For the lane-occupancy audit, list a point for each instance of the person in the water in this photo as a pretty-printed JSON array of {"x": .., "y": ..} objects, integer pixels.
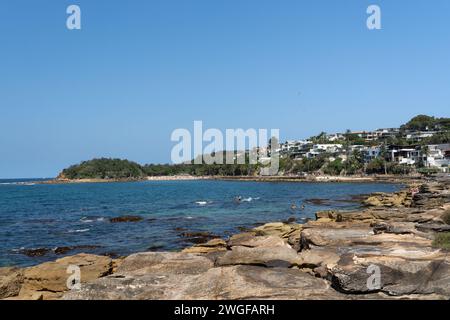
[{"x": 238, "y": 199}]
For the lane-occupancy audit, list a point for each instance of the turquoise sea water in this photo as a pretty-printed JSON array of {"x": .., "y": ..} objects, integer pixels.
[{"x": 49, "y": 216}]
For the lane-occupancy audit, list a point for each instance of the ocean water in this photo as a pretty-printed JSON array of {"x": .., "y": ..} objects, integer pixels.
[{"x": 49, "y": 216}]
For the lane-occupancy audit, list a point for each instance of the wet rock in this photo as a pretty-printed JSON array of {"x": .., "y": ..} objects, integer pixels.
[
  {"x": 156, "y": 247},
  {"x": 318, "y": 202},
  {"x": 198, "y": 237},
  {"x": 64, "y": 250},
  {"x": 11, "y": 280},
  {"x": 112, "y": 255},
  {"x": 48, "y": 280},
  {"x": 126, "y": 219},
  {"x": 290, "y": 220},
  {"x": 243, "y": 229},
  {"x": 39, "y": 252}
]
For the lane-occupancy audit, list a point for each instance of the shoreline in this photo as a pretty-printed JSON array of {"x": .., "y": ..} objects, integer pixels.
[
  {"x": 310, "y": 178},
  {"x": 394, "y": 231}
]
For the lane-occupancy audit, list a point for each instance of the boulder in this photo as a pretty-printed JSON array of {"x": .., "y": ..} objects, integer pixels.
[
  {"x": 11, "y": 280},
  {"x": 49, "y": 280},
  {"x": 278, "y": 229},
  {"x": 397, "y": 199}
]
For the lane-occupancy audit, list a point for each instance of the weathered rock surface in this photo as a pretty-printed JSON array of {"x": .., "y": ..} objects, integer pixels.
[
  {"x": 214, "y": 245},
  {"x": 233, "y": 282},
  {"x": 278, "y": 229},
  {"x": 164, "y": 262},
  {"x": 252, "y": 241},
  {"x": 49, "y": 280},
  {"x": 397, "y": 199},
  {"x": 398, "y": 275},
  {"x": 11, "y": 280},
  {"x": 275, "y": 256}
]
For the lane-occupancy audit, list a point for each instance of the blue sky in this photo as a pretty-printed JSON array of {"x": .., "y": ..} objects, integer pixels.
[{"x": 140, "y": 69}]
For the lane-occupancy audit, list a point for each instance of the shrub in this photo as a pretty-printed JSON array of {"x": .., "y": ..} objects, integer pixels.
[{"x": 442, "y": 240}]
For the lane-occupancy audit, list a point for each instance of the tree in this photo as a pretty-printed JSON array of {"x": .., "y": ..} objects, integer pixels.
[{"x": 420, "y": 122}]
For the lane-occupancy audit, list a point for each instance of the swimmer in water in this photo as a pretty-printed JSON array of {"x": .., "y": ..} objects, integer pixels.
[
  {"x": 293, "y": 206},
  {"x": 302, "y": 207},
  {"x": 238, "y": 199}
]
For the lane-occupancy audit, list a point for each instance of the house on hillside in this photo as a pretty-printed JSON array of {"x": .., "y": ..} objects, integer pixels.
[
  {"x": 438, "y": 157},
  {"x": 409, "y": 155}
]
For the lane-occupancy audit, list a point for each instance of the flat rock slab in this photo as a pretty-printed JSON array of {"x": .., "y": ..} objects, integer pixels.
[
  {"x": 358, "y": 236},
  {"x": 279, "y": 256},
  {"x": 396, "y": 276},
  {"x": 164, "y": 262},
  {"x": 252, "y": 241},
  {"x": 233, "y": 282}
]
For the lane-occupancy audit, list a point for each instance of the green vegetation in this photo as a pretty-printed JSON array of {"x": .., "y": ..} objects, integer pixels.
[
  {"x": 201, "y": 169},
  {"x": 424, "y": 122},
  {"x": 427, "y": 171},
  {"x": 380, "y": 166},
  {"x": 438, "y": 138},
  {"x": 442, "y": 240},
  {"x": 104, "y": 169},
  {"x": 334, "y": 167},
  {"x": 331, "y": 164},
  {"x": 446, "y": 217}
]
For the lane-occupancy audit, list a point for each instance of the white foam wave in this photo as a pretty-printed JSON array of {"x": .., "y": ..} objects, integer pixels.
[{"x": 78, "y": 230}]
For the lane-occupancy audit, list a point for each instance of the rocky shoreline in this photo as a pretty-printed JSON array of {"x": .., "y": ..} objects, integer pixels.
[
  {"x": 279, "y": 178},
  {"x": 332, "y": 257}
]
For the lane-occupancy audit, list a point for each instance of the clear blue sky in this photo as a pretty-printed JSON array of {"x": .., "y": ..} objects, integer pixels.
[{"x": 139, "y": 69}]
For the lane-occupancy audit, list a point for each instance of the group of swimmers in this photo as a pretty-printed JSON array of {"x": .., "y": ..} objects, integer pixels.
[
  {"x": 294, "y": 206},
  {"x": 238, "y": 199}
]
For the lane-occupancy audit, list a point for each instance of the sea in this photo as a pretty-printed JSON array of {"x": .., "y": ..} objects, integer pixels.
[{"x": 43, "y": 222}]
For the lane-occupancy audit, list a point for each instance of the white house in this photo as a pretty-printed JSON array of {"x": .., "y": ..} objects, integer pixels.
[
  {"x": 318, "y": 149},
  {"x": 436, "y": 157}
]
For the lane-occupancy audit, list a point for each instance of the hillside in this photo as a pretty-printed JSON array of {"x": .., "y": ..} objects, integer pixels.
[{"x": 103, "y": 168}]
